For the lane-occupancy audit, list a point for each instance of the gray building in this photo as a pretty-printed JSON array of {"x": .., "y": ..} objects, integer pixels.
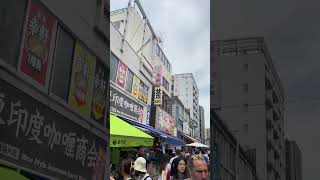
[
  {"x": 202, "y": 124},
  {"x": 293, "y": 161},
  {"x": 54, "y": 71},
  {"x": 248, "y": 95}
]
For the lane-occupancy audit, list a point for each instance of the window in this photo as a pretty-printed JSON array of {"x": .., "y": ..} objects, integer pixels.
[
  {"x": 62, "y": 64},
  {"x": 113, "y": 67},
  {"x": 11, "y": 19},
  {"x": 165, "y": 84},
  {"x": 129, "y": 81}
]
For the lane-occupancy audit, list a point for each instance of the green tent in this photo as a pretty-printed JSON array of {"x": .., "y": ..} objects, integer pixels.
[
  {"x": 6, "y": 173},
  {"x": 123, "y": 134}
]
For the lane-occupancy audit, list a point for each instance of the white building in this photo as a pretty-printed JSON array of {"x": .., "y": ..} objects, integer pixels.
[
  {"x": 186, "y": 89},
  {"x": 248, "y": 95}
]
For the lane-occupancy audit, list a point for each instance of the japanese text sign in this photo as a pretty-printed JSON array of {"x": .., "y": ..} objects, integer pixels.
[
  {"x": 40, "y": 139},
  {"x": 36, "y": 43},
  {"x": 157, "y": 96}
]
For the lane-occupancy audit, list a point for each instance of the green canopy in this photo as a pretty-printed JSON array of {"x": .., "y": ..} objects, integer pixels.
[
  {"x": 123, "y": 134},
  {"x": 6, "y": 173}
]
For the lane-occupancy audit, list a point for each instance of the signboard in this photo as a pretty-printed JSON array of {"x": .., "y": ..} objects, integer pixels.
[
  {"x": 80, "y": 95},
  {"x": 122, "y": 105},
  {"x": 145, "y": 94},
  {"x": 165, "y": 122},
  {"x": 135, "y": 86},
  {"x": 157, "y": 96},
  {"x": 121, "y": 75},
  {"x": 148, "y": 115},
  {"x": 36, "y": 43},
  {"x": 158, "y": 75},
  {"x": 141, "y": 91},
  {"x": 99, "y": 93},
  {"x": 37, "y": 138},
  {"x": 216, "y": 162}
]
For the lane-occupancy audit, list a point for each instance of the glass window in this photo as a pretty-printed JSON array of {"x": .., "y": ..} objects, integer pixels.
[
  {"x": 129, "y": 81},
  {"x": 113, "y": 67},
  {"x": 62, "y": 64},
  {"x": 11, "y": 19}
]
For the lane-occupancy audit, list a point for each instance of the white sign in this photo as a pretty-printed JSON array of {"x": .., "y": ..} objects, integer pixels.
[{"x": 157, "y": 96}]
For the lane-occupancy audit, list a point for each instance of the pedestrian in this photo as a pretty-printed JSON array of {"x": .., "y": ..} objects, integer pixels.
[
  {"x": 171, "y": 160},
  {"x": 179, "y": 170},
  {"x": 198, "y": 168},
  {"x": 141, "y": 152},
  {"x": 140, "y": 168},
  {"x": 206, "y": 158},
  {"x": 126, "y": 169},
  {"x": 162, "y": 164}
]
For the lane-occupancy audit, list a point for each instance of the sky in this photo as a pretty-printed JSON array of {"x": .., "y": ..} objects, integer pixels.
[
  {"x": 184, "y": 26},
  {"x": 292, "y": 33}
]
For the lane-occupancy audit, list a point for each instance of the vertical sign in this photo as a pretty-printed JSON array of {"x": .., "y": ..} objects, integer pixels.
[
  {"x": 135, "y": 86},
  {"x": 121, "y": 75},
  {"x": 148, "y": 115},
  {"x": 157, "y": 96},
  {"x": 158, "y": 75},
  {"x": 99, "y": 93},
  {"x": 36, "y": 43},
  {"x": 80, "y": 94}
]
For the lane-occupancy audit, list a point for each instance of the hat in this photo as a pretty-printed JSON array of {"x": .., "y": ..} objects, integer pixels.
[{"x": 140, "y": 164}]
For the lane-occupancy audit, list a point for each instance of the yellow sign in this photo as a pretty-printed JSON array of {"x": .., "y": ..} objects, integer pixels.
[
  {"x": 80, "y": 94},
  {"x": 135, "y": 86}
]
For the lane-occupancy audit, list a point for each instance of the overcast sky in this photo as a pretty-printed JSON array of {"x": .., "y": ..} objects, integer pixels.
[
  {"x": 292, "y": 32},
  {"x": 184, "y": 26}
]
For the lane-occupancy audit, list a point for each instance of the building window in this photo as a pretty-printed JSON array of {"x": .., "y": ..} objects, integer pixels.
[
  {"x": 245, "y": 67},
  {"x": 113, "y": 67},
  {"x": 11, "y": 19},
  {"x": 62, "y": 64},
  {"x": 129, "y": 81},
  {"x": 165, "y": 84}
]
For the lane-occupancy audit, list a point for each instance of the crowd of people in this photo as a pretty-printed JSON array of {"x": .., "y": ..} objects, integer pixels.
[{"x": 179, "y": 165}]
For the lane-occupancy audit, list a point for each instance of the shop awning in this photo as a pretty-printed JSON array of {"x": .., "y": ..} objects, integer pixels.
[
  {"x": 6, "y": 173},
  {"x": 170, "y": 139},
  {"x": 123, "y": 134},
  {"x": 187, "y": 137}
]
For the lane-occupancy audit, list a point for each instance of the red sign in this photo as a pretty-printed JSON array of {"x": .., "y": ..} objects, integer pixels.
[
  {"x": 36, "y": 43},
  {"x": 122, "y": 74}
]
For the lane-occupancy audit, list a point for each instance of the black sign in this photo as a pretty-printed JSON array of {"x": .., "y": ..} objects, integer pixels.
[
  {"x": 122, "y": 105},
  {"x": 35, "y": 137}
]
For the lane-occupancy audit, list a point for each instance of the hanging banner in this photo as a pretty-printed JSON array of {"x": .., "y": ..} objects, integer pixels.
[
  {"x": 80, "y": 95},
  {"x": 141, "y": 91},
  {"x": 36, "y": 43},
  {"x": 145, "y": 94},
  {"x": 38, "y": 138},
  {"x": 158, "y": 75},
  {"x": 99, "y": 93},
  {"x": 121, "y": 104},
  {"x": 121, "y": 75},
  {"x": 157, "y": 96},
  {"x": 135, "y": 86},
  {"x": 165, "y": 122}
]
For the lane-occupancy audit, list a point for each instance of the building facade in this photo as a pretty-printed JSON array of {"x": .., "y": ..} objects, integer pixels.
[
  {"x": 186, "y": 89},
  {"x": 293, "y": 161},
  {"x": 54, "y": 71},
  {"x": 248, "y": 94},
  {"x": 207, "y": 136},
  {"x": 229, "y": 160},
  {"x": 202, "y": 124}
]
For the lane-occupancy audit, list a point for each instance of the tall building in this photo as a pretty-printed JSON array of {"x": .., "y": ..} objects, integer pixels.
[
  {"x": 54, "y": 71},
  {"x": 207, "y": 136},
  {"x": 202, "y": 124},
  {"x": 293, "y": 161},
  {"x": 186, "y": 89},
  {"x": 248, "y": 95}
]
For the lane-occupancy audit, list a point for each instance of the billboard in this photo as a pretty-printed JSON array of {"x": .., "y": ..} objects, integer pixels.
[
  {"x": 80, "y": 94},
  {"x": 36, "y": 44},
  {"x": 40, "y": 139},
  {"x": 158, "y": 75},
  {"x": 121, "y": 75},
  {"x": 157, "y": 96},
  {"x": 165, "y": 122},
  {"x": 123, "y": 105}
]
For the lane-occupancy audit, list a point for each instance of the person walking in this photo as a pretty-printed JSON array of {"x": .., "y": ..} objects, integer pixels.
[
  {"x": 198, "y": 168},
  {"x": 126, "y": 169},
  {"x": 140, "y": 168},
  {"x": 179, "y": 170}
]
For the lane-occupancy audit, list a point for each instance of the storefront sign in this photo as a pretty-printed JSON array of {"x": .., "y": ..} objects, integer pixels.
[
  {"x": 165, "y": 122},
  {"x": 135, "y": 86},
  {"x": 148, "y": 115},
  {"x": 158, "y": 75},
  {"x": 37, "y": 138},
  {"x": 121, "y": 75},
  {"x": 122, "y": 105},
  {"x": 80, "y": 95},
  {"x": 36, "y": 43},
  {"x": 99, "y": 93},
  {"x": 157, "y": 96}
]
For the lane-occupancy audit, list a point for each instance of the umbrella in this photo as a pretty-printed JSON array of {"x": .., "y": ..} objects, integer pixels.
[
  {"x": 197, "y": 144},
  {"x": 6, "y": 173}
]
